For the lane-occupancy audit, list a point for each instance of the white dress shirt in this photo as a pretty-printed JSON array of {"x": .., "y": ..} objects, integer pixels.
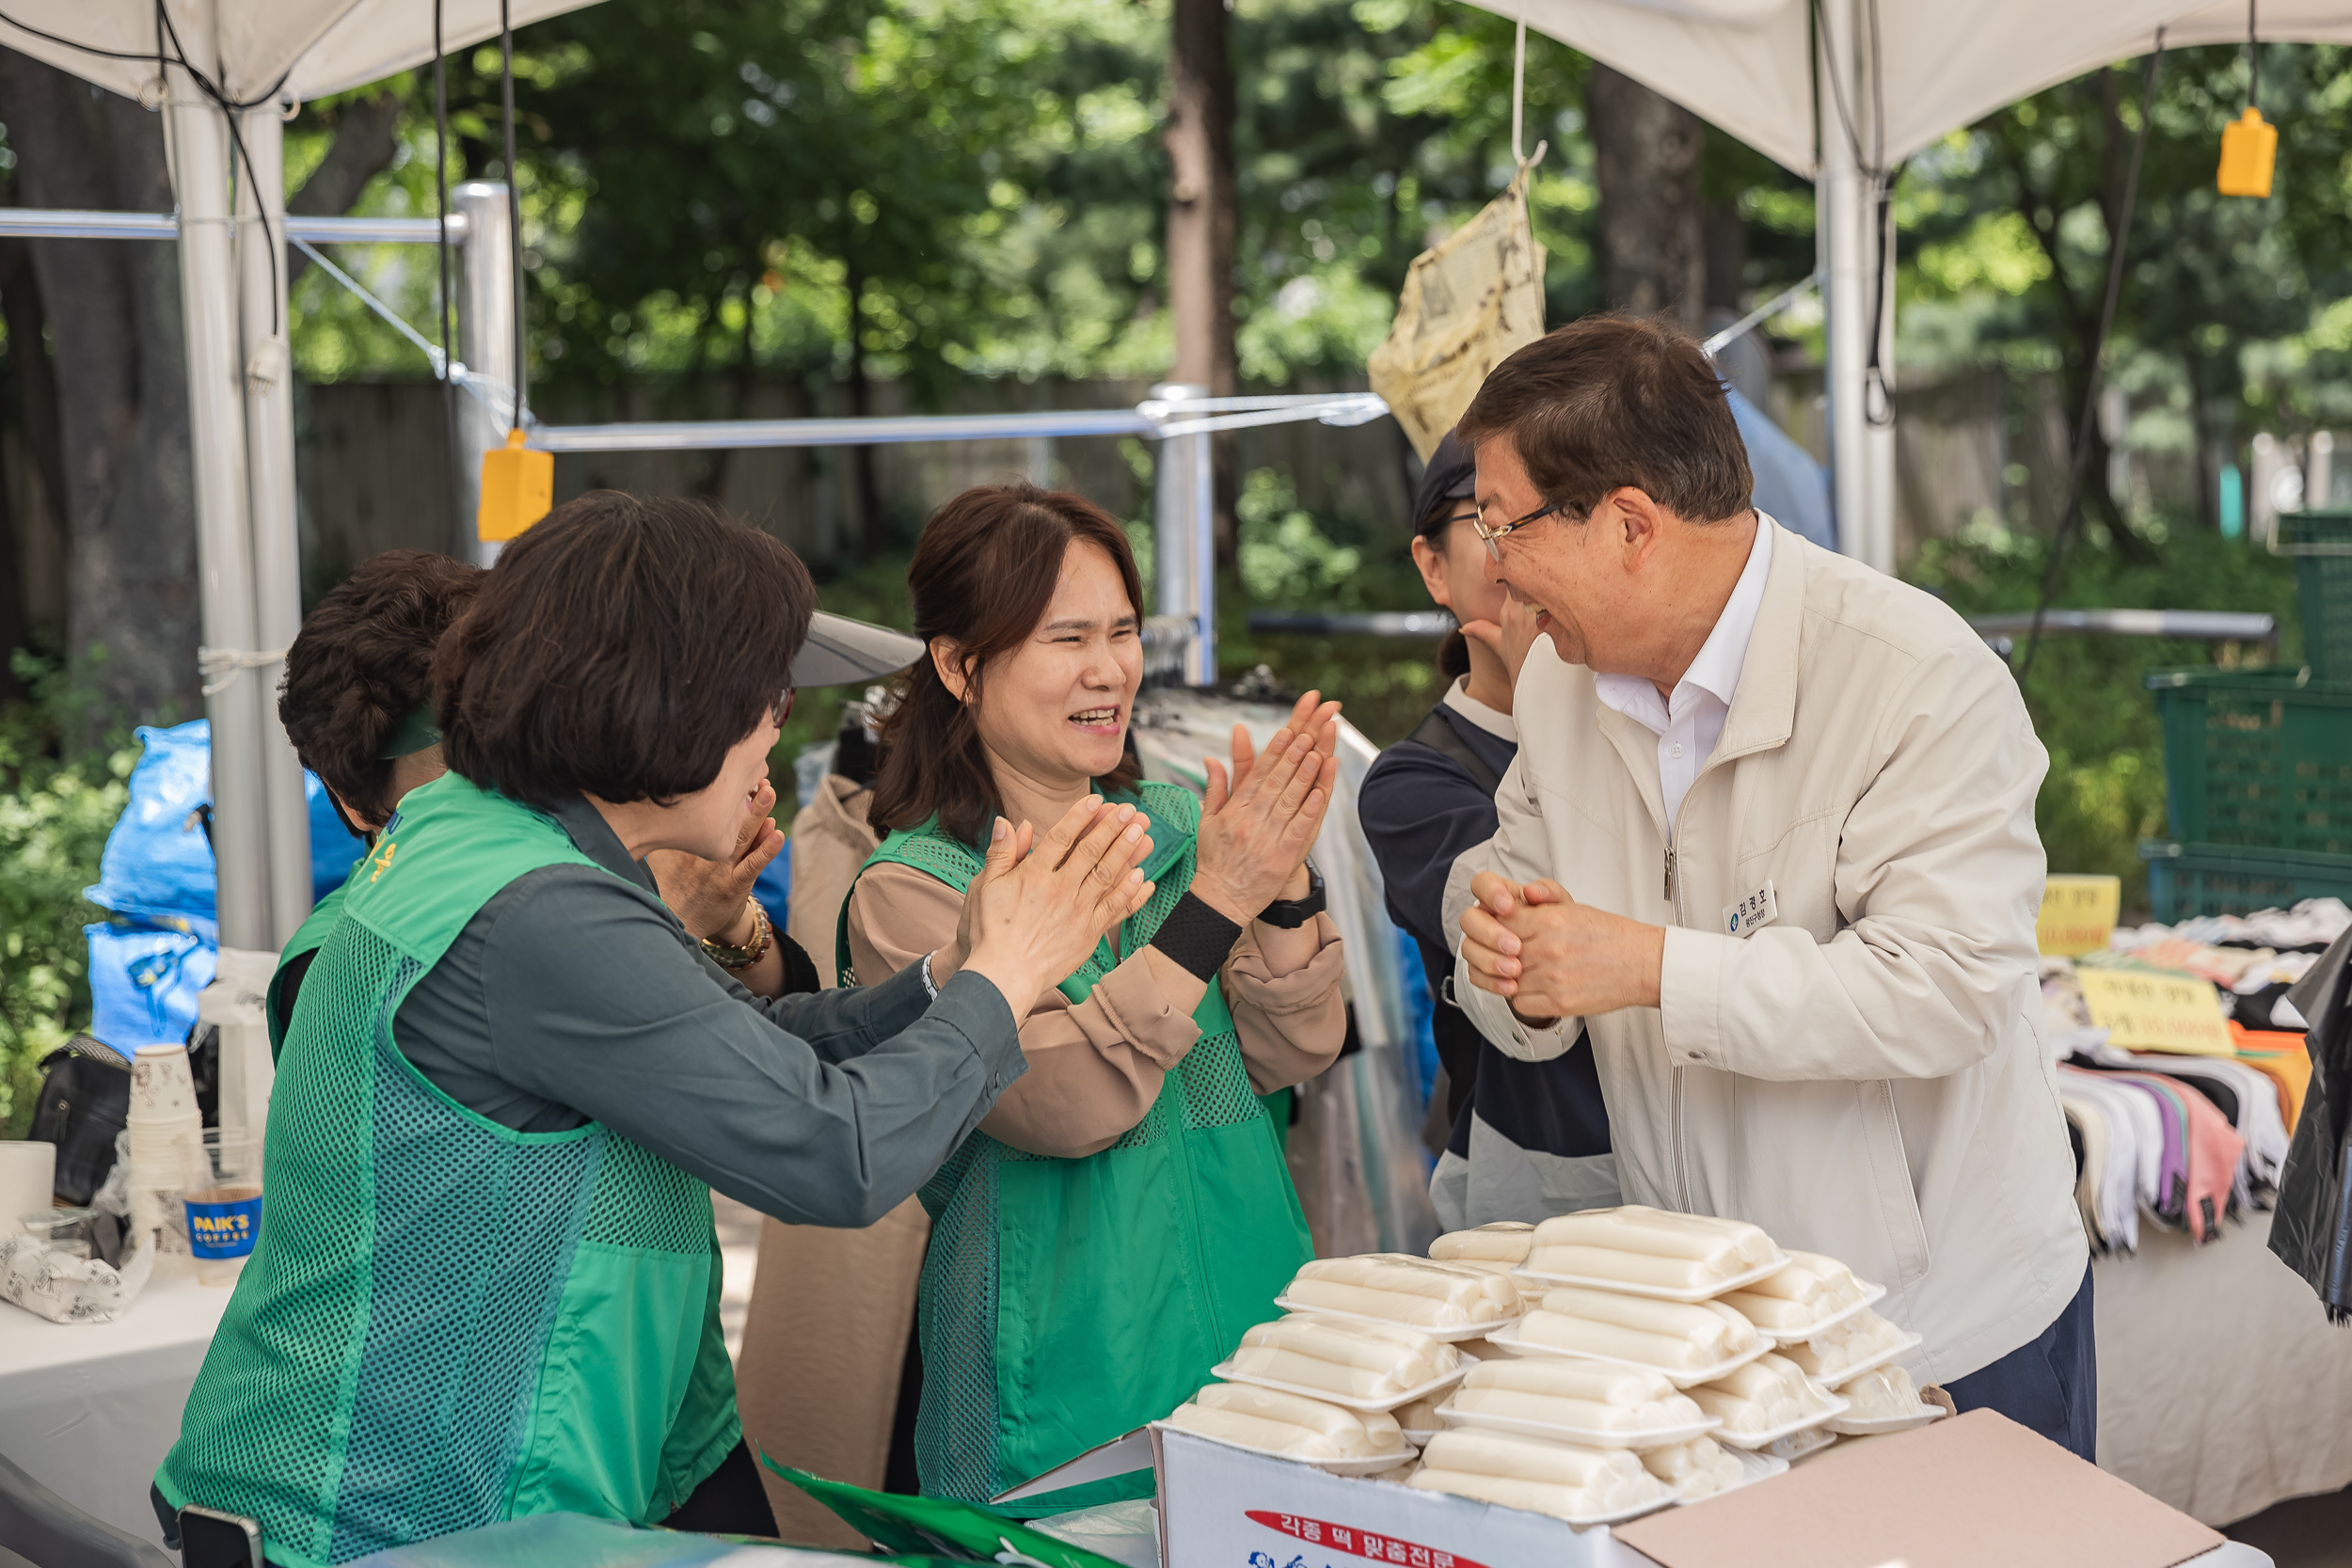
[{"x": 1690, "y": 722}]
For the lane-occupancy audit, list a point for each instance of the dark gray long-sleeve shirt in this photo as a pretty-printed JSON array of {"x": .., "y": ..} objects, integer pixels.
[{"x": 574, "y": 996}]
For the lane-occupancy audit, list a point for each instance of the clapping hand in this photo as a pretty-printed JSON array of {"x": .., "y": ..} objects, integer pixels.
[
  {"x": 1255, "y": 831},
  {"x": 1031, "y": 917}
]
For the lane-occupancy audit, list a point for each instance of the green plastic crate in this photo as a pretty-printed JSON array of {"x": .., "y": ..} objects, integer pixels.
[
  {"x": 2186, "y": 881},
  {"x": 2321, "y": 542},
  {"x": 2257, "y": 759}
]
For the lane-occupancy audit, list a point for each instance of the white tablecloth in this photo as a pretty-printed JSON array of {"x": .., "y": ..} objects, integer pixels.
[
  {"x": 2222, "y": 1386},
  {"x": 89, "y": 1410}
]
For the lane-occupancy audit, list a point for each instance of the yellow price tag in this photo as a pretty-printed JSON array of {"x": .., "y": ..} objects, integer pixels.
[
  {"x": 2144, "y": 1011},
  {"x": 2078, "y": 914}
]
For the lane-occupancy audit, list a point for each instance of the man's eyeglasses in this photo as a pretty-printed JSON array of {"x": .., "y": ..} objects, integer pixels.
[
  {"x": 1493, "y": 536},
  {"x": 781, "y": 709}
]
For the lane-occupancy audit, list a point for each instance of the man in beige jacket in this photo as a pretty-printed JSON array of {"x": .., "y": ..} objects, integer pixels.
[{"x": 1769, "y": 839}]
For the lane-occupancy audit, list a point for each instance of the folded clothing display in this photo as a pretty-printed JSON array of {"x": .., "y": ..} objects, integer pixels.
[
  {"x": 1363, "y": 1361},
  {"x": 1561, "y": 1480},
  {"x": 1883, "y": 1394},
  {"x": 1834, "y": 1353},
  {"x": 1504, "y": 1242},
  {"x": 1675, "y": 1337},
  {"x": 1699, "y": 1468},
  {"x": 1291, "y": 1425},
  {"x": 1586, "y": 1396},
  {"x": 1406, "y": 1290},
  {"x": 1811, "y": 1288},
  {"x": 1640, "y": 1246},
  {"x": 1768, "y": 1394}
]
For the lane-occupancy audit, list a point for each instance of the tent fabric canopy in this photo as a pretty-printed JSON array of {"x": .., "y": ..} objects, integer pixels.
[
  {"x": 306, "y": 48},
  {"x": 1746, "y": 65}
]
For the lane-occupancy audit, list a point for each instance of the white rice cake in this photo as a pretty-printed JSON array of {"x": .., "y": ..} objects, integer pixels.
[
  {"x": 1884, "y": 1394},
  {"x": 1562, "y": 1479},
  {"x": 1406, "y": 1290},
  {"x": 1829, "y": 1353},
  {"x": 1360, "y": 1361},
  {"x": 1291, "y": 1425},
  {"x": 1585, "y": 1395},
  {"x": 1678, "y": 1337},
  {"x": 1769, "y": 1392},
  {"x": 1657, "y": 1247},
  {"x": 1504, "y": 1242},
  {"x": 1811, "y": 1288},
  {"x": 1699, "y": 1468}
]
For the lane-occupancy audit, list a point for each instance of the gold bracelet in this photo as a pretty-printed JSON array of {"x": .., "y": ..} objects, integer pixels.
[{"x": 737, "y": 958}]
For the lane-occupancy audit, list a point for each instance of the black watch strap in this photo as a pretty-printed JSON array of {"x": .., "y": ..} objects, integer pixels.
[{"x": 1289, "y": 914}]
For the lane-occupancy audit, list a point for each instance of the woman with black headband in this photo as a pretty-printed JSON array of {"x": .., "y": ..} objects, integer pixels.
[
  {"x": 1527, "y": 1139},
  {"x": 357, "y": 702}
]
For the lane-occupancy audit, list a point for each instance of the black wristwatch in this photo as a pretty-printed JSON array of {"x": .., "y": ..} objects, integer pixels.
[{"x": 1289, "y": 914}]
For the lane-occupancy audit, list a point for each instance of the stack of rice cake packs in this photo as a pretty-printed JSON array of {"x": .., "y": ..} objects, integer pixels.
[{"x": 1322, "y": 1389}]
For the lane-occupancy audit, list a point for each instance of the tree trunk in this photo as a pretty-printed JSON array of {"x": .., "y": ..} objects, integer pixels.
[
  {"x": 1201, "y": 223},
  {"x": 869, "y": 510},
  {"x": 31, "y": 397},
  {"x": 1646, "y": 154},
  {"x": 366, "y": 141},
  {"x": 113, "y": 314}
]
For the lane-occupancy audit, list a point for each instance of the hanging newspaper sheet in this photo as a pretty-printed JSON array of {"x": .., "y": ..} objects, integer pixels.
[{"x": 1467, "y": 304}]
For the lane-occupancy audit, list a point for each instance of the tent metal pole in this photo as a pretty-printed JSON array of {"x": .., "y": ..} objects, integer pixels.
[
  {"x": 485, "y": 343},
  {"x": 1184, "y": 533},
  {"x": 197, "y": 136},
  {"x": 1837, "y": 213},
  {"x": 270, "y": 477}
]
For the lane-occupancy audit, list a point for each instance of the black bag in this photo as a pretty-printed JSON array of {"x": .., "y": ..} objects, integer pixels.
[
  {"x": 2311, "y": 1230},
  {"x": 85, "y": 1097}
]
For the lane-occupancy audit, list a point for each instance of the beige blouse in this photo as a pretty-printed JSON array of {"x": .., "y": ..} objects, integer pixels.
[{"x": 1096, "y": 1068}]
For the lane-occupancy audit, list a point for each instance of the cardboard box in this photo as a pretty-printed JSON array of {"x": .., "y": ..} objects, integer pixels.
[
  {"x": 1973, "y": 1490},
  {"x": 1222, "y": 1507}
]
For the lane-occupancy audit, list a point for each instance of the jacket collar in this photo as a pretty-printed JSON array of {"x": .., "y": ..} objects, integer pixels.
[
  {"x": 595, "y": 838},
  {"x": 1764, "y": 709}
]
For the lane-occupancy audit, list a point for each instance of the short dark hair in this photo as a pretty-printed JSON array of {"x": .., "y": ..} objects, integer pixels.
[
  {"x": 619, "y": 649},
  {"x": 1617, "y": 401},
  {"x": 983, "y": 577},
  {"x": 363, "y": 662}
]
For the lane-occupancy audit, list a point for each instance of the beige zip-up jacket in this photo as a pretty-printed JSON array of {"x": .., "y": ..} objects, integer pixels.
[{"x": 1861, "y": 1068}]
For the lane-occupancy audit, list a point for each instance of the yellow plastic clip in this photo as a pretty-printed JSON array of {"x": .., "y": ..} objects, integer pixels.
[
  {"x": 517, "y": 488},
  {"x": 2249, "y": 148}
]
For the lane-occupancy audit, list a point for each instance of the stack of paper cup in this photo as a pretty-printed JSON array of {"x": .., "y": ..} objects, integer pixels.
[{"x": 166, "y": 1131}]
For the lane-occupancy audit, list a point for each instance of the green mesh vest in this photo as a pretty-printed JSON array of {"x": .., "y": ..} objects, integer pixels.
[
  {"x": 446, "y": 1323},
  {"x": 1065, "y": 1302},
  {"x": 308, "y": 938}
]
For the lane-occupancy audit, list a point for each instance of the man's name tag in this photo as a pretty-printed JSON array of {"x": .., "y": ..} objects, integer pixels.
[{"x": 1756, "y": 908}]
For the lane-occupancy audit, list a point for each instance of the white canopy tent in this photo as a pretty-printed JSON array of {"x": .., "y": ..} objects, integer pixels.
[
  {"x": 1907, "y": 71},
  {"x": 264, "y": 57},
  {"x": 1893, "y": 76}
]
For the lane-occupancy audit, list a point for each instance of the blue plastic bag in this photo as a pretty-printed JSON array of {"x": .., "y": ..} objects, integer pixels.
[
  {"x": 158, "y": 863},
  {"x": 143, "y": 982}
]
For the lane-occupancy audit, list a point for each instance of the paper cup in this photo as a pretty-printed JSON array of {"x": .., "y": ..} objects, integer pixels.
[
  {"x": 28, "y": 1181},
  {"x": 224, "y": 1208},
  {"x": 161, "y": 1087}
]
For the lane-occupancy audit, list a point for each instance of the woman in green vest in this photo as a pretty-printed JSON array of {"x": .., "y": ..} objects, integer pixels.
[
  {"x": 1124, "y": 1213},
  {"x": 483, "y": 1283}
]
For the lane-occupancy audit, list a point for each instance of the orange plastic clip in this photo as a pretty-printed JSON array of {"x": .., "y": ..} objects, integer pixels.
[{"x": 517, "y": 488}]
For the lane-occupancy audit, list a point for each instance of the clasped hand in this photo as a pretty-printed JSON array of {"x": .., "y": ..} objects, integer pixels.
[
  {"x": 1256, "y": 830},
  {"x": 1553, "y": 957}
]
